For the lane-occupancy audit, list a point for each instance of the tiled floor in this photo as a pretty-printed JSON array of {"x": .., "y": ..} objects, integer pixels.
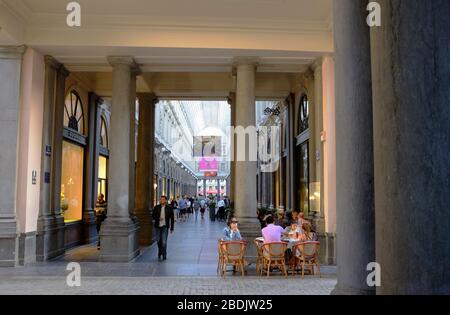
[{"x": 191, "y": 268}]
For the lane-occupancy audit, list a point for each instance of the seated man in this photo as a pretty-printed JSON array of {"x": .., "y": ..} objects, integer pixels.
[
  {"x": 272, "y": 233},
  {"x": 231, "y": 232}
]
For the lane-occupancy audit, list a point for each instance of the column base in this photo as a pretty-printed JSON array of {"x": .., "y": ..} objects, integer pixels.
[
  {"x": 250, "y": 229},
  {"x": 89, "y": 226},
  {"x": 27, "y": 248},
  {"x": 319, "y": 223},
  {"x": 50, "y": 237},
  {"x": 9, "y": 243},
  {"x": 347, "y": 290},
  {"x": 327, "y": 254},
  {"x": 119, "y": 240},
  {"x": 146, "y": 227}
]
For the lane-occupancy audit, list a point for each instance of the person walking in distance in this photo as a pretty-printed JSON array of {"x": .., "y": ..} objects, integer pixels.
[{"x": 164, "y": 222}]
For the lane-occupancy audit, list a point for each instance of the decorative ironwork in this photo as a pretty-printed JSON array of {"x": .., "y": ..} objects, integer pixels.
[
  {"x": 74, "y": 118},
  {"x": 272, "y": 111},
  {"x": 303, "y": 117}
]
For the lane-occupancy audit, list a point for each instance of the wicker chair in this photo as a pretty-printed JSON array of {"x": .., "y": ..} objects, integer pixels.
[
  {"x": 233, "y": 254},
  {"x": 306, "y": 254},
  {"x": 259, "y": 259},
  {"x": 274, "y": 255},
  {"x": 220, "y": 251}
]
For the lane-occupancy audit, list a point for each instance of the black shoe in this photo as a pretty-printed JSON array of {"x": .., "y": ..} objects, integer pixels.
[{"x": 164, "y": 257}]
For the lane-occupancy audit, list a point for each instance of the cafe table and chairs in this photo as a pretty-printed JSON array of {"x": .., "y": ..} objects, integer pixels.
[
  {"x": 274, "y": 255},
  {"x": 232, "y": 253},
  {"x": 306, "y": 254}
]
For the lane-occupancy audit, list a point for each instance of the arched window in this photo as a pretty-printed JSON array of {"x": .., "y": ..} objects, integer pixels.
[
  {"x": 74, "y": 116},
  {"x": 103, "y": 133},
  {"x": 303, "y": 114}
]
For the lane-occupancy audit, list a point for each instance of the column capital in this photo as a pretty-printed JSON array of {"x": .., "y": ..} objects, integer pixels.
[
  {"x": 147, "y": 98},
  {"x": 125, "y": 60},
  {"x": 52, "y": 62},
  {"x": 12, "y": 52},
  {"x": 240, "y": 62},
  {"x": 63, "y": 71},
  {"x": 317, "y": 65}
]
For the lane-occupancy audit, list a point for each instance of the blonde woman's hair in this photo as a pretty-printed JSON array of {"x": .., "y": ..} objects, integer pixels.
[{"x": 307, "y": 230}]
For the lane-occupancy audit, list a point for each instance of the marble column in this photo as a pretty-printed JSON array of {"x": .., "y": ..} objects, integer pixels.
[
  {"x": 145, "y": 164},
  {"x": 410, "y": 68},
  {"x": 120, "y": 234},
  {"x": 319, "y": 218},
  {"x": 245, "y": 171},
  {"x": 354, "y": 148},
  {"x": 232, "y": 102},
  {"x": 46, "y": 227},
  {"x": 91, "y": 170},
  {"x": 56, "y": 170},
  {"x": 282, "y": 181},
  {"x": 290, "y": 101},
  {"x": 133, "y": 140},
  {"x": 204, "y": 188},
  {"x": 10, "y": 69}
]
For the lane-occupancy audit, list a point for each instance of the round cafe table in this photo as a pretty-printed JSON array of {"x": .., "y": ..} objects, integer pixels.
[{"x": 290, "y": 241}]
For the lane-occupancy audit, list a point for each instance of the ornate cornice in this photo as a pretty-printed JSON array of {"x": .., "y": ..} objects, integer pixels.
[{"x": 12, "y": 52}]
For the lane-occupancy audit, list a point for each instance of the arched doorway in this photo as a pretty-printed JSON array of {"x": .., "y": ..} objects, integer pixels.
[{"x": 72, "y": 171}]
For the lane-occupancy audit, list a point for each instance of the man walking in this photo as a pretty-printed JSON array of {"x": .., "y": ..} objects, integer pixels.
[{"x": 164, "y": 221}]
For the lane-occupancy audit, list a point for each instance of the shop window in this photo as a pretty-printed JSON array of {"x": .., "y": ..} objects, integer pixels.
[
  {"x": 304, "y": 178},
  {"x": 102, "y": 178},
  {"x": 72, "y": 182}
]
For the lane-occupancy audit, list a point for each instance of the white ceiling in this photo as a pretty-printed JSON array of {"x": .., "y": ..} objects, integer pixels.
[
  {"x": 296, "y": 10},
  {"x": 174, "y": 35}
]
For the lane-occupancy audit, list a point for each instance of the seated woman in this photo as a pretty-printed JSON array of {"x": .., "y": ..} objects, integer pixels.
[
  {"x": 293, "y": 231},
  {"x": 231, "y": 232},
  {"x": 308, "y": 235}
]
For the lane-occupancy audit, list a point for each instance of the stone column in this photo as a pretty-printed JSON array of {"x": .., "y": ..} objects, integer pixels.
[
  {"x": 318, "y": 155},
  {"x": 91, "y": 170},
  {"x": 290, "y": 101},
  {"x": 46, "y": 237},
  {"x": 245, "y": 171},
  {"x": 411, "y": 66},
  {"x": 354, "y": 149},
  {"x": 10, "y": 69},
  {"x": 232, "y": 102},
  {"x": 133, "y": 149},
  {"x": 56, "y": 162},
  {"x": 119, "y": 233},
  {"x": 204, "y": 188},
  {"x": 145, "y": 164}
]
